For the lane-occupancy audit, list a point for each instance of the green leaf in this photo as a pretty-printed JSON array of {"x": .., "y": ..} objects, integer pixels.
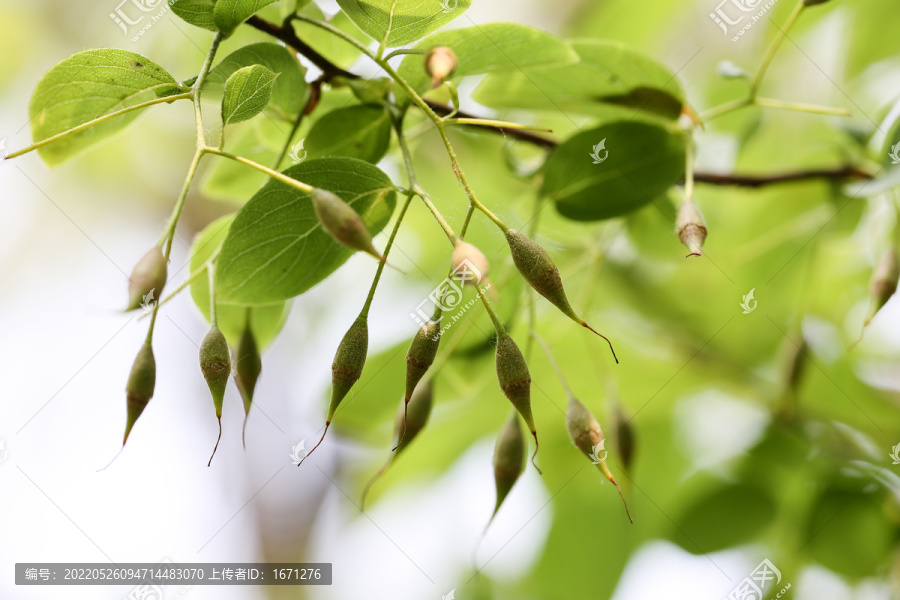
[
  {"x": 196, "y": 12},
  {"x": 228, "y": 14},
  {"x": 277, "y": 249},
  {"x": 489, "y": 48},
  {"x": 290, "y": 91},
  {"x": 89, "y": 85},
  {"x": 247, "y": 93},
  {"x": 640, "y": 160},
  {"x": 608, "y": 73},
  {"x": 266, "y": 320},
  {"x": 339, "y": 51},
  {"x": 399, "y": 22},
  {"x": 362, "y": 131}
]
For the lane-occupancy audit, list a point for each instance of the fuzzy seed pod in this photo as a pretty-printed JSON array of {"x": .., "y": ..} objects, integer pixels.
[
  {"x": 411, "y": 419},
  {"x": 419, "y": 358},
  {"x": 624, "y": 439},
  {"x": 147, "y": 279},
  {"x": 515, "y": 381},
  {"x": 469, "y": 258},
  {"x": 541, "y": 273},
  {"x": 342, "y": 222},
  {"x": 884, "y": 282},
  {"x": 215, "y": 362},
  {"x": 586, "y": 435},
  {"x": 139, "y": 389},
  {"x": 248, "y": 366},
  {"x": 509, "y": 459},
  {"x": 346, "y": 369},
  {"x": 691, "y": 227},
  {"x": 440, "y": 63}
]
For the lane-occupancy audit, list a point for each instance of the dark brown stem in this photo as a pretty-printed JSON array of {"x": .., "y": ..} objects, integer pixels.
[
  {"x": 322, "y": 439},
  {"x": 219, "y": 439}
]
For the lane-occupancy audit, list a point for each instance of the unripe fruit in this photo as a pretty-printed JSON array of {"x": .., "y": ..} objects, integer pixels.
[
  {"x": 586, "y": 435},
  {"x": 215, "y": 363},
  {"x": 440, "y": 63},
  {"x": 468, "y": 257},
  {"x": 248, "y": 366},
  {"x": 346, "y": 369},
  {"x": 147, "y": 279},
  {"x": 884, "y": 282},
  {"x": 541, "y": 273},
  {"x": 509, "y": 459},
  {"x": 419, "y": 358},
  {"x": 342, "y": 222},
  {"x": 139, "y": 389},
  {"x": 412, "y": 417},
  {"x": 515, "y": 381},
  {"x": 691, "y": 227}
]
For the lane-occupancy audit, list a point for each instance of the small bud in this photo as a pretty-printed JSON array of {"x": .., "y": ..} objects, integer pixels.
[
  {"x": 346, "y": 369},
  {"x": 884, "y": 282},
  {"x": 440, "y": 63},
  {"x": 342, "y": 222},
  {"x": 469, "y": 258},
  {"x": 509, "y": 460},
  {"x": 139, "y": 389},
  {"x": 515, "y": 381},
  {"x": 691, "y": 227},
  {"x": 248, "y": 366},
  {"x": 215, "y": 363},
  {"x": 148, "y": 279},
  {"x": 541, "y": 273},
  {"x": 419, "y": 358},
  {"x": 586, "y": 435}
]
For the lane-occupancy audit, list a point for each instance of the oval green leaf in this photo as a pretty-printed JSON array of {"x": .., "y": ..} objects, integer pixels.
[
  {"x": 362, "y": 131},
  {"x": 277, "y": 249},
  {"x": 228, "y": 14},
  {"x": 399, "y": 22},
  {"x": 266, "y": 320},
  {"x": 613, "y": 169},
  {"x": 89, "y": 85},
  {"x": 247, "y": 93},
  {"x": 198, "y": 13}
]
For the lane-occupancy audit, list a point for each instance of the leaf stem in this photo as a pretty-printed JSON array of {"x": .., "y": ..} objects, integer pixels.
[
  {"x": 303, "y": 187},
  {"x": 211, "y": 274},
  {"x": 387, "y": 249},
  {"x": 99, "y": 120},
  {"x": 494, "y": 123},
  {"x": 773, "y": 48},
  {"x": 400, "y": 51},
  {"x": 801, "y": 107}
]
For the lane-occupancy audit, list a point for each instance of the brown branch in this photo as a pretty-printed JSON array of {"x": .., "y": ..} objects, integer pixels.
[{"x": 286, "y": 34}]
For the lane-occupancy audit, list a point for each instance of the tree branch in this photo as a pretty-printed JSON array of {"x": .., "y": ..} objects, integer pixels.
[{"x": 286, "y": 34}]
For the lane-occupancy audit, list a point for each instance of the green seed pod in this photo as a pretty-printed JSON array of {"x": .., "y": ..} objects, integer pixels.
[
  {"x": 691, "y": 227},
  {"x": 139, "y": 389},
  {"x": 625, "y": 441},
  {"x": 541, "y": 273},
  {"x": 509, "y": 460},
  {"x": 147, "y": 279},
  {"x": 342, "y": 222},
  {"x": 440, "y": 63},
  {"x": 248, "y": 366},
  {"x": 215, "y": 363},
  {"x": 586, "y": 435},
  {"x": 419, "y": 358},
  {"x": 884, "y": 282},
  {"x": 411, "y": 419},
  {"x": 469, "y": 258},
  {"x": 346, "y": 369},
  {"x": 515, "y": 381}
]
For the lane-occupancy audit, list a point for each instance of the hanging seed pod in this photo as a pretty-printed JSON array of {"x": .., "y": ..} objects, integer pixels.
[
  {"x": 343, "y": 223},
  {"x": 624, "y": 438},
  {"x": 541, "y": 273},
  {"x": 884, "y": 283},
  {"x": 248, "y": 366},
  {"x": 412, "y": 416},
  {"x": 346, "y": 369},
  {"x": 509, "y": 460},
  {"x": 419, "y": 359},
  {"x": 440, "y": 63},
  {"x": 147, "y": 279},
  {"x": 515, "y": 381},
  {"x": 585, "y": 433},
  {"x": 139, "y": 389},
  {"x": 691, "y": 227},
  {"x": 469, "y": 263},
  {"x": 215, "y": 363}
]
